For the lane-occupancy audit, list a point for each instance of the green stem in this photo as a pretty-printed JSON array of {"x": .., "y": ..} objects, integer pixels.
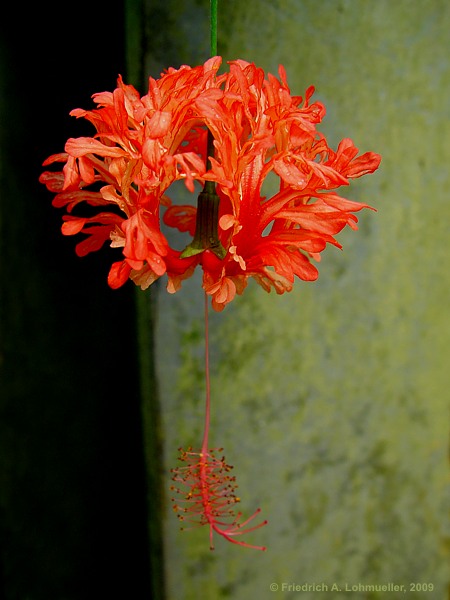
[
  {"x": 206, "y": 235},
  {"x": 213, "y": 22}
]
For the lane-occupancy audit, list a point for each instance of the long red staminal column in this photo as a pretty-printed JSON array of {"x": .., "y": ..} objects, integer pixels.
[
  {"x": 207, "y": 382},
  {"x": 210, "y": 498},
  {"x": 205, "y": 467}
]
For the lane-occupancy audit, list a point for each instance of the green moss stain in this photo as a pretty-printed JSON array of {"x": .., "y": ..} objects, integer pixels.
[{"x": 332, "y": 401}]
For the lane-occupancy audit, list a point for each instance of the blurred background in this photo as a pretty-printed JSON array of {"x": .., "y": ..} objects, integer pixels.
[{"x": 331, "y": 402}]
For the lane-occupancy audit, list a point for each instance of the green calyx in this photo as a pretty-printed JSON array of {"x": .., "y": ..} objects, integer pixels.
[{"x": 206, "y": 235}]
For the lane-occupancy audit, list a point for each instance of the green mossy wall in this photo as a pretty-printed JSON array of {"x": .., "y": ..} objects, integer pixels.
[{"x": 332, "y": 401}]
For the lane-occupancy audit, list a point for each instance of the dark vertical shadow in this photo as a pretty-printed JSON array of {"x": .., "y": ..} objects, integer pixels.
[{"x": 73, "y": 514}]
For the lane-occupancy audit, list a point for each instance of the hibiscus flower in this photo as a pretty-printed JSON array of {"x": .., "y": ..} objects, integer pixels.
[{"x": 227, "y": 132}]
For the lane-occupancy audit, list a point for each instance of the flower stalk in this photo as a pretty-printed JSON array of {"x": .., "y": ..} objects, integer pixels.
[
  {"x": 206, "y": 235},
  {"x": 213, "y": 26}
]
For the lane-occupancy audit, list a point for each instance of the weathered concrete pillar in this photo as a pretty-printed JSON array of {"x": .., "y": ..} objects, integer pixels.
[{"x": 332, "y": 401}]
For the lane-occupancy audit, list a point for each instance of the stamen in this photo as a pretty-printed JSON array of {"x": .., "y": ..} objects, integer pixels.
[{"x": 210, "y": 497}]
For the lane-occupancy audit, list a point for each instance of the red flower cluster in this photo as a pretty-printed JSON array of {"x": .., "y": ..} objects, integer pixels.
[
  {"x": 210, "y": 497},
  {"x": 144, "y": 144}
]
